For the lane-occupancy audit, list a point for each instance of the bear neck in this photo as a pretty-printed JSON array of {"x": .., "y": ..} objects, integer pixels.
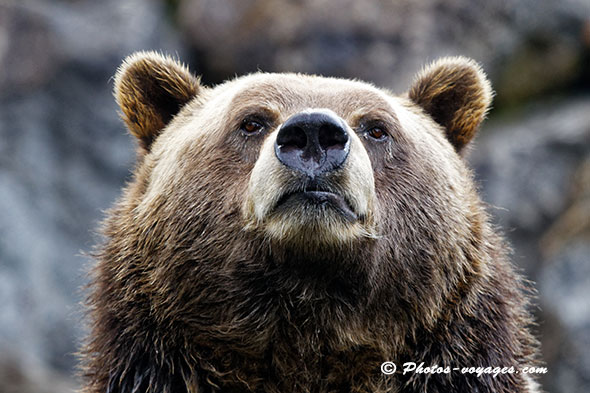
[{"x": 294, "y": 344}]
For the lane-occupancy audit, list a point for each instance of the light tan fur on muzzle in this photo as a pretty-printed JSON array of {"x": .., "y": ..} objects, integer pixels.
[{"x": 270, "y": 180}]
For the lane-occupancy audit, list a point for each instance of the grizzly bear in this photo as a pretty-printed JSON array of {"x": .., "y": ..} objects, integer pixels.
[{"x": 294, "y": 233}]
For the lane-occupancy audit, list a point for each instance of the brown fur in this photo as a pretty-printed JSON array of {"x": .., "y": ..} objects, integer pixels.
[
  {"x": 150, "y": 89},
  {"x": 190, "y": 296},
  {"x": 456, "y": 93}
]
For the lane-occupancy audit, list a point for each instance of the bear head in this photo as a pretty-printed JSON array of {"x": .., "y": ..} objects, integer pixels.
[{"x": 325, "y": 190}]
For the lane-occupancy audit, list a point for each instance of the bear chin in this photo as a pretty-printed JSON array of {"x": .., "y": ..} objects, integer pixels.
[
  {"x": 313, "y": 226},
  {"x": 320, "y": 253}
]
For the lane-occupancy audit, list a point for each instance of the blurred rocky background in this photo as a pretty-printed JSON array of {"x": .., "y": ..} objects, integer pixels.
[{"x": 64, "y": 154}]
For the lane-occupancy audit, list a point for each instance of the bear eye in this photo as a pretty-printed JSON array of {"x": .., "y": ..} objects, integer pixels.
[
  {"x": 251, "y": 127},
  {"x": 377, "y": 133}
]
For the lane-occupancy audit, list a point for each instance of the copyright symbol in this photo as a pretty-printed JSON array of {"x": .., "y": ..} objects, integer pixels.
[{"x": 388, "y": 368}]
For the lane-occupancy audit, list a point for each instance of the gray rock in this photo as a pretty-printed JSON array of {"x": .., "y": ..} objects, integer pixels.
[
  {"x": 18, "y": 376},
  {"x": 387, "y": 41},
  {"x": 64, "y": 155},
  {"x": 526, "y": 164},
  {"x": 534, "y": 170},
  {"x": 565, "y": 285}
]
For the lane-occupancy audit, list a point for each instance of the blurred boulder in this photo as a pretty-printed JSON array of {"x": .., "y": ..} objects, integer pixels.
[
  {"x": 526, "y": 162},
  {"x": 565, "y": 283},
  {"x": 28, "y": 52},
  {"x": 528, "y": 47},
  {"x": 534, "y": 171},
  {"x": 574, "y": 223},
  {"x": 63, "y": 158},
  {"x": 19, "y": 377}
]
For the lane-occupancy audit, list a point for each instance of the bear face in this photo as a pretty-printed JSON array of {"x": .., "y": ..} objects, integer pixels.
[
  {"x": 226, "y": 143},
  {"x": 287, "y": 232}
]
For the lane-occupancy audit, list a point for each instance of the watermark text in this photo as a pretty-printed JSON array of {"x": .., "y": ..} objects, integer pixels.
[{"x": 390, "y": 368}]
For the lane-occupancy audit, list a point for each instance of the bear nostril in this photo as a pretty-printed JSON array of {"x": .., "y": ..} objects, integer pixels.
[
  {"x": 332, "y": 137},
  {"x": 313, "y": 142},
  {"x": 294, "y": 139}
]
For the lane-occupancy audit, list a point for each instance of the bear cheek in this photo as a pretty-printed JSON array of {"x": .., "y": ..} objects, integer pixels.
[
  {"x": 264, "y": 186},
  {"x": 359, "y": 181}
]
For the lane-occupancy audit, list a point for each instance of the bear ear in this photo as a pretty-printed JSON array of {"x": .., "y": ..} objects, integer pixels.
[
  {"x": 150, "y": 89},
  {"x": 455, "y": 92}
]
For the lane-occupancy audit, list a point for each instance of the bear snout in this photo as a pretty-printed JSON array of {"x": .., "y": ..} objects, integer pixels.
[
  {"x": 313, "y": 142},
  {"x": 312, "y": 183}
]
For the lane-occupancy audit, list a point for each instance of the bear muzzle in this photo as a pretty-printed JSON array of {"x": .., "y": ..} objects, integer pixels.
[{"x": 313, "y": 181}]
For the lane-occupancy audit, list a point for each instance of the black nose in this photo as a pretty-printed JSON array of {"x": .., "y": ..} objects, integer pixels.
[{"x": 313, "y": 142}]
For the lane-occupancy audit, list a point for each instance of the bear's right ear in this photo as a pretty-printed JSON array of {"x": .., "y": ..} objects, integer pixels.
[
  {"x": 455, "y": 92},
  {"x": 150, "y": 89}
]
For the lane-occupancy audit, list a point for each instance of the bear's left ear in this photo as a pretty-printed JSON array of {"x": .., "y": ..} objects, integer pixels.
[
  {"x": 150, "y": 89},
  {"x": 455, "y": 92}
]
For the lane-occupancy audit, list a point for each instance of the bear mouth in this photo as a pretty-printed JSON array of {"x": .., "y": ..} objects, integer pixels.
[{"x": 317, "y": 199}]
